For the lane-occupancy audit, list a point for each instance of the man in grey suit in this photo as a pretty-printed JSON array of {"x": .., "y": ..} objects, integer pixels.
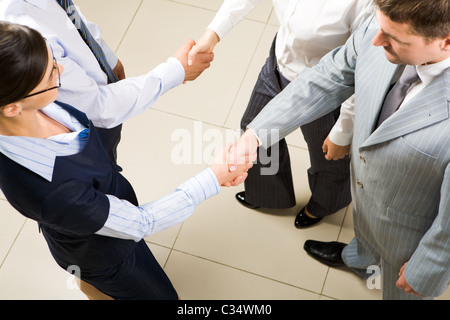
[{"x": 400, "y": 162}]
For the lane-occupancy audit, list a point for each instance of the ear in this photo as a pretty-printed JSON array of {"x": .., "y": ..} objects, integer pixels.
[
  {"x": 445, "y": 45},
  {"x": 11, "y": 110}
]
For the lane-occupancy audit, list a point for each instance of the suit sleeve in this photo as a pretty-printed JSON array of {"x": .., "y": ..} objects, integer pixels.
[
  {"x": 314, "y": 93},
  {"x": 428, "y": 270}
]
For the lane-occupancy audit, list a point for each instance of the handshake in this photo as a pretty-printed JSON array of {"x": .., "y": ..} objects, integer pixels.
[{"x": 233, "y": 162}]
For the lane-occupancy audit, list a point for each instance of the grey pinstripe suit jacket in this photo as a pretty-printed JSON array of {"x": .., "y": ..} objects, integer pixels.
[{"x": 400, "y": 172}]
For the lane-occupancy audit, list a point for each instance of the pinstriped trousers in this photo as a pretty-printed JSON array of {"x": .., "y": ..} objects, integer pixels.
[
  {"x": 359, "y": 256},
  {"x": 329, "y": 181}
]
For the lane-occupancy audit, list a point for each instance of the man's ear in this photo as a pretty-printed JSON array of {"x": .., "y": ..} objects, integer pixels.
[
  {"x": 11, "y": 110},
  {"x": 446, "y": 43}
]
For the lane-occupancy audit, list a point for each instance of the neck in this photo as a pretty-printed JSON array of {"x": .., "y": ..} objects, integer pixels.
[{"x": 31, "y": 124}]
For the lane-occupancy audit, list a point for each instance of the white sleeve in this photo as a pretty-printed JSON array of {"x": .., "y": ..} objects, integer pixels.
[
  {"x": 342, "y": 132},
  {"x": 230, "y": 14},
  {"x": 127, "y": 221}
]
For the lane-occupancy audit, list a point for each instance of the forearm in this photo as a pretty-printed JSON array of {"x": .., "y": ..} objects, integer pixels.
[
  {"x": 342, "y": 132},
  {"x": 127, "y": 221},
  {"x": 230, "y": 14},
  {"x": 110, "y": 105}
]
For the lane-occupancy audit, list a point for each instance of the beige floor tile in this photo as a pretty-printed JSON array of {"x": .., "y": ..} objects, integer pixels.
[
  {"x": 112, "y": 16},
  {"x": 209, "y": 98},
  {"x": 344, "y": 285},
  {"x": 12, "y": 223},
  {"x": 30, "y": 273},
  {"x": 260, "y": 13},
  {"x": 196, "y": 278}
]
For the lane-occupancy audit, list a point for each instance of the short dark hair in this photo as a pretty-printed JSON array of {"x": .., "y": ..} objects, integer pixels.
[
  {"x": 428, "y": 18},
  {"x": 23, "y": 61}
]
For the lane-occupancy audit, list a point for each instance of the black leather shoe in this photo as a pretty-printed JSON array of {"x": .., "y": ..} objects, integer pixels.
[
  {"x": 329, "y": 253},
  {"x": 302, "y": 220},
  {"x": 240, "y": 197}
]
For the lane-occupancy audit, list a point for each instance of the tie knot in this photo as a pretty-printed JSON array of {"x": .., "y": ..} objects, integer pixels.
[{"x": 409, "y": 75}]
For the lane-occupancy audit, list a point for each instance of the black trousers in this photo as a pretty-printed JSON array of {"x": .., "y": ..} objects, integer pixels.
[{"x": 329, "y": 181}]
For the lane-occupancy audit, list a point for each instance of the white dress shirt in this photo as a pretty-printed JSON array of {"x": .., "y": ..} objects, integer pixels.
[
  {"x": 308, "y": 30},
  {"x": 84, "y": 84},
  {"x": 426, "y": 73}
]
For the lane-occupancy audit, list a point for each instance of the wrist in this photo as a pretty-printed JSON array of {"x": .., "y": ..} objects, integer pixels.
[{"x": 212, "y": 36}]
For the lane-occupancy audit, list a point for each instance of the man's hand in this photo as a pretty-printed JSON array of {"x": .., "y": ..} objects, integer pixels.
[
  {"x": 202, "y": 61},
  {"x": 206, "y": 44},
  {"x": 244, "y": 151},
  {"x": 403, "y": 285},
  {"x": 223, "y": 175},
  {"x": 119, "y": 71},
  {"x": 333, "y": 151}
]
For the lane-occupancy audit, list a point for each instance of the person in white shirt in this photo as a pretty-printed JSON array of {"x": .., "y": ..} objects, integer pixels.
[
  {"x": 308, "y": 30},
  {"x": 84, "y": 83}
]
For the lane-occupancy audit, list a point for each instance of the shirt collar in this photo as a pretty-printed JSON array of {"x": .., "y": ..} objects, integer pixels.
[
  {"x": 41, "y": 4},
  {"x": 39, "y": 155},
  {"x": 429, "y": 72}
]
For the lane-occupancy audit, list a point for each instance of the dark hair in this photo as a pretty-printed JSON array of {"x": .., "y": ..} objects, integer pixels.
[
  {"x": 428, "y": 18},
  {"x": 23, "y": 61}
]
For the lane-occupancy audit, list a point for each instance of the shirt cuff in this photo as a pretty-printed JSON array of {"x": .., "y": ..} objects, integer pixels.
[
  {"x": 340, "y": 138},
  {"x": 201, "y": 187},
  {"x": 221, "y": 27},
  {"x": 171, "y": 74}
]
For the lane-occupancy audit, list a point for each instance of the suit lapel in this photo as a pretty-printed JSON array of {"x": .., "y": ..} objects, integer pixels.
[
  {"x": 428, "y": 107},
  {"x": 374, "y": 82}
]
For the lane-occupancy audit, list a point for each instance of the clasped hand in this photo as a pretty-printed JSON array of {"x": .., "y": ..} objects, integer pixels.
[
  {"x": 193, "y": 69},
  {"x": 232, "y": 164}
]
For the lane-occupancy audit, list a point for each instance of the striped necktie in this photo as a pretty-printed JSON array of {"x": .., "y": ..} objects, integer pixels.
[{"x": 73, "y": 14}]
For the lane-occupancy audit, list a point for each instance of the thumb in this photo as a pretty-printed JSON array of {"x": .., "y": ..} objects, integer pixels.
[
  {"x": 325, "y": 148},
  {"x": 192, "y": 54},
  {"x": 231, "y": 159}
]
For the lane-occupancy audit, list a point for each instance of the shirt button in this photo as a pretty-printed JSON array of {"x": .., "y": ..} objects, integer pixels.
[{"x": 359, "y": 183}]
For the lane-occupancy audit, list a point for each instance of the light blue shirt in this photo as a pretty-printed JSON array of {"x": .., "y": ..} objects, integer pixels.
[{"x": 125, "y": 221}]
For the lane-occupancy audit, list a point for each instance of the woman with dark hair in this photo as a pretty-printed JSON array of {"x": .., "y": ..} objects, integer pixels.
[{"x": 54, "y": 169}]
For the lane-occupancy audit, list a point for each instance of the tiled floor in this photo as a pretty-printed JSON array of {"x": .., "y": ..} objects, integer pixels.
[{"x": 223, "y": 251}]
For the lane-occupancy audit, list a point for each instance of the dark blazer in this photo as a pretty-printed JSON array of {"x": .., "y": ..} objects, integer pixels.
[{"x": 74, "y": 205}]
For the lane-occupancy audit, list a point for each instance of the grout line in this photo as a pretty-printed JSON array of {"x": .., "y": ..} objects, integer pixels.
[
  {"x": 241, "y": 270},
  {"x": 129, "y": 26},
  {"x": 13, "y": 243}
]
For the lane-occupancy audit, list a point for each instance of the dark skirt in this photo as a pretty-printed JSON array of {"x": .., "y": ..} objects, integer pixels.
[{"x": 138, "y": 277}]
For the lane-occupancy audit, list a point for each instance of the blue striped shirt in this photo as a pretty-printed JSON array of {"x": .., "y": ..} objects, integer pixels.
[{"x": 125, "y": 220}]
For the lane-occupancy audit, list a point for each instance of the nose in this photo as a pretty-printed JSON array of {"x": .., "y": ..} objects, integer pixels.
[{"x": 379, "y": 39}]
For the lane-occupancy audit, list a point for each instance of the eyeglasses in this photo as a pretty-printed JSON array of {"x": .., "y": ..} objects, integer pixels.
[{"x": 55, "y": 67}]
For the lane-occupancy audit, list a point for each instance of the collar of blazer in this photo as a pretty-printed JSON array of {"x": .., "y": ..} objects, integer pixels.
[{"x": 430, "y": 106}]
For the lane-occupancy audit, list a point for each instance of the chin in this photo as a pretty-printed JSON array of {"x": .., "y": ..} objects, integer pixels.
[{"x": 393, "y": 59}]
